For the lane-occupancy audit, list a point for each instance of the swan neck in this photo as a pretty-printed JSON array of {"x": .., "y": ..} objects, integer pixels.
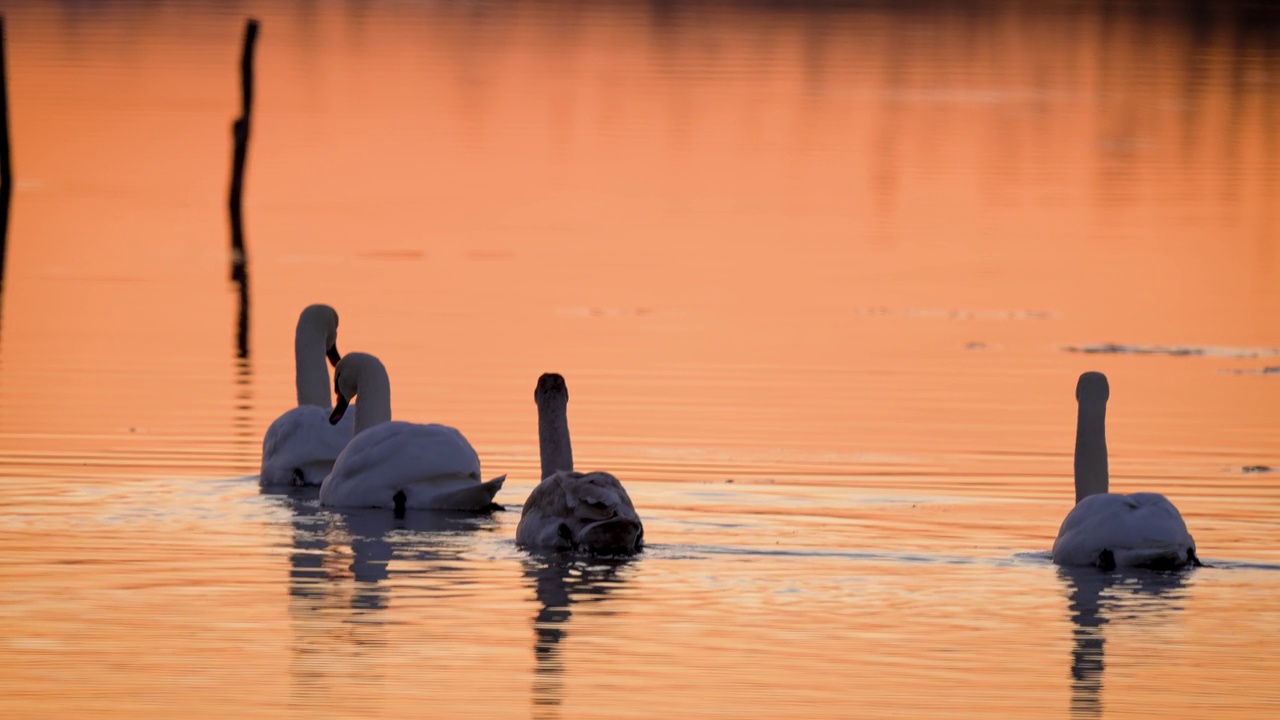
[
  {"x": 553, "y": 437},
  {"x": 1092, "y": 477},
  {"x": 373, "y": 398},
  {"x": 310, "y": 369}
]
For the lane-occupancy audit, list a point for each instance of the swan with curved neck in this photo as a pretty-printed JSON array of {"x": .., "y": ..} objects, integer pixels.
[
  {"x": 300, "y": 446},
  {"x": 1108, "y": 529},
  {"x": 569, "y": 510},
  {"x": 395, "y": 464}
]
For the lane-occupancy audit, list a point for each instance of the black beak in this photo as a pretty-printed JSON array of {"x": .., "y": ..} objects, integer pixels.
[
  {"x": 333, "y": 355},
  {"x": 338, "y": 411}
]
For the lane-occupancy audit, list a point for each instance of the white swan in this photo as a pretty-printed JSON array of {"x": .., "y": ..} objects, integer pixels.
[
  {"x": 398, "y": 464},
  {"x": 1111, "y": 530},
  {"x": 301, "y": 445},
  {"x": 587, "y": 512}
]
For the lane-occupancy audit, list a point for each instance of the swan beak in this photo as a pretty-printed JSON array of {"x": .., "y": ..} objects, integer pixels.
[
  {"x": 339, "y": 410},
  {"x": 333, "y": 355}
]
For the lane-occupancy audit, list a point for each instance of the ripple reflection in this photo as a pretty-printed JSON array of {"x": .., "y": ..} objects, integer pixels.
[
  {"x": 1098, "y": 598},
  {"x": 560, "y": 581}
]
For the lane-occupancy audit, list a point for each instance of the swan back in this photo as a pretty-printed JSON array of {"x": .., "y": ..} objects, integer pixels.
[
  {"x": 408, "y": 465},
  {"x": 588, "y": 512},
  {"x": 300, "y": 446},
  {"x": 1113, "y": 530}
]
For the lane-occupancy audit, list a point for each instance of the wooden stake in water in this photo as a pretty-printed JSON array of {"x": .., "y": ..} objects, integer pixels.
[
  {"x": 6, "y": 170},
  {"x": 240, "y": 131}
]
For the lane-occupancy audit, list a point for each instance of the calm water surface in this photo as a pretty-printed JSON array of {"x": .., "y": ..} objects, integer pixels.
[{"x": 820, "y": 277}]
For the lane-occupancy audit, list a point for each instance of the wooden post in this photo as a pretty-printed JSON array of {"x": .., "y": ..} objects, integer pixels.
[
  {"x": 6, "y": 170},
  {"x": 240, "y": 131}
]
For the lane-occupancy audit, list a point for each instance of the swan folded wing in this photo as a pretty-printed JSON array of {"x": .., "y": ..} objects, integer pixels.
[
  {"x": 302, "y": 439},
  {"x": 1137, "y": 529},
  {"x": 595, "y": 495},
  {"x": 539, "y": 524},
  {"x": 569, "y": 502},
  {"x": 409, "y": 450},
  {"x": 400, "y": 456}
]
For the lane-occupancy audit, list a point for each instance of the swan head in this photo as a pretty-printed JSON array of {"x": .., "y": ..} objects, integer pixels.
[
  {"x": 346, "y": 380},
  {"x": 551, "y": 389},
  {"x": 325, "y": 318},
  {"x": 1092, "y": 388}
]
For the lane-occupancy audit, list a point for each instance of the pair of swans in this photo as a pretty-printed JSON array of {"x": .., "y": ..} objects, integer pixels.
[
  {"x": 1104, "y": 529},
  {"x": 363, "y": 458}
]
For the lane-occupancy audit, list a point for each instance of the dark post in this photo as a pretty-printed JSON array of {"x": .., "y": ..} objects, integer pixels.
[
  {"x": 6, "y": 170},
  {"x": 240, "y": 131}
]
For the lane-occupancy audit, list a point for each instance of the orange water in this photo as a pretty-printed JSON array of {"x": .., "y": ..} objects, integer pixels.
[{"x": 819, "y": 279}]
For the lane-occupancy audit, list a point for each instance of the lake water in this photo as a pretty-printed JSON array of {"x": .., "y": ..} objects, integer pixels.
[{"x": 820, "y": 277}]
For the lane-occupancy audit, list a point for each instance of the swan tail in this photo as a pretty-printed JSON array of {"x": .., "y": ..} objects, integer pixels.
[{"x": 470, "y": 497}]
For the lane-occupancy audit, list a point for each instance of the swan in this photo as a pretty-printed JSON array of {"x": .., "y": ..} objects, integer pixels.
[
  {"x": 301, "y": 445},
  {"x": 398, "y": 464},
  {"x": 1111, "y": 530},
  {"x": 568, "y": 510}
]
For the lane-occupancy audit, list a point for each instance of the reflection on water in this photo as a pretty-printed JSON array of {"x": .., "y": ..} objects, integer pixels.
[
  {"x": 350, "y": 552},
  {"x": 817, "y": 261},
  {"x": 559, "y": 582},
  {"x": 1098, "y": 598}
]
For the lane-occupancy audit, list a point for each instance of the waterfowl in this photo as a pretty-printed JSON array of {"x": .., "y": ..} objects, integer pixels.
[
  {"x": 301, "y": 445},
  {"x": 569, "y": 510},
  {"x": 395, "y": 464},
  {"x": 1111, "y": 530}
]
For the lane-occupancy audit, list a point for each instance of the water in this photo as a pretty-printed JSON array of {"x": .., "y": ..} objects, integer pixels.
[{"x": 820, "y": 278}]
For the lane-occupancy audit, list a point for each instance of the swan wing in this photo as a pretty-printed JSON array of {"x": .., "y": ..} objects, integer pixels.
[
  {"x": 303, "y": 440},
  {"x": 423, "y": 461}
]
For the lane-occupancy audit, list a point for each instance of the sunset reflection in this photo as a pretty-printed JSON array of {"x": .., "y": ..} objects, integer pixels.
[{"x": 823, "y": 274}]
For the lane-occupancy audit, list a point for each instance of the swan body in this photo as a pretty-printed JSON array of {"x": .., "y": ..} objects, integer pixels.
[
  {"x": 568, "y": 510},
  {"x": 1111, "y": 530},
  {"x": 399, "y": 465},
  {"x": 300, "y": 446},
  {"x": 588, "y": 512}
]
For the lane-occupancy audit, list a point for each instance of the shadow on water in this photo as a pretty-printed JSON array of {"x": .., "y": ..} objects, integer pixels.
[
  {"x": 559, "y": 582},
  {"x": 1098, "y": 598}
]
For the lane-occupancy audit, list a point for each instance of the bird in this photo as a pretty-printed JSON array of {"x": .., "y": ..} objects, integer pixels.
[
  {"x": 394, "y": 464},
  {"x": 1110, "y": 530},
  {"x": 569, "y": 510},
  {"x": 300, "y": 446}
]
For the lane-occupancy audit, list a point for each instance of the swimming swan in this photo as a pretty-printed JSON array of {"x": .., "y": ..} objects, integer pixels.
[
  {"x": 398, "y": 464},
  {"x": 587, "y": 512},
  {"x": 301, "y": 445},
  {"x": 1112, "y": 530}
]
